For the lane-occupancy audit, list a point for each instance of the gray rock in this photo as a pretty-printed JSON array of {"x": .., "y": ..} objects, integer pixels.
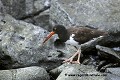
[
  {"x": 103, "y": 14},
  {"x": 15, "y": 8},
  {"x": 41, "y": 20},
  {"x": 116, "y": 48},
  {"x": 56, "y": 56},
  {"x": 113, "y": 74},
  {"x": 22, "y": 41},
  {"x": 77, "y": 72},
  {"x": 31, "y": 11},
  {"x": 28, "y": 73},
  {"x": 2, "y": 8},
  {"x": 111, "y": 58},
  {"x": 21, "y": 8},
  {"x": 109, "y": 54}
]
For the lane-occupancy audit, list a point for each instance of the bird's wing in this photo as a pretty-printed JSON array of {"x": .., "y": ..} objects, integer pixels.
[{"x": 83, "y": 35}]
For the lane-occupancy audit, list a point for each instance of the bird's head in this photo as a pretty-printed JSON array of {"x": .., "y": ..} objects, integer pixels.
[{"x": 57, "y": 29}]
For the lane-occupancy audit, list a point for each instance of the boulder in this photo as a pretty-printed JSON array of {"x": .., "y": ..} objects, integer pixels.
[
  {"x": 75, "y": 71},
  {"x": 14, "y": 8},
  {"x": 22, "y": 8},
  {"x": 28, "y": 73},
  {"x": 22, "y": 41},
  {"x": 103, "y": 14},
  {"x": 108, "y": 54},
  {"x": 31, "y": 11},
  {"x": 110, "y": 58},
  {"x": 21, "y": 46},
  {"x": 41, "y": 20}
]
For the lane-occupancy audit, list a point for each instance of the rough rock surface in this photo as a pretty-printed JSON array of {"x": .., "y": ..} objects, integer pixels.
[
  {"x": 109, "y": 58},
  {"x": 28, "y": 73},
  {"x": 2, "y": 8},
  {"x": 103, "y": 14},
  {"x": 31, "y": 11},
  {"x": 21, "y": 43},
  {"x": 113, "y": 74},
  {"x": 41, "y": 20},
  {"x": 21, "y": 8},
  {"x": 76, "y": 71},
  {"x": 109, "y": 54}
]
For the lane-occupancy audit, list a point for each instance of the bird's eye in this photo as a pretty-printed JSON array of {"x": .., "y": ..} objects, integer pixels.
[{"x": 54, "y": 29}]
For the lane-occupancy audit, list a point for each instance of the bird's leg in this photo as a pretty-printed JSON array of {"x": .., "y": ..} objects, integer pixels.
[
  {"x": 71, "y": 58},
  {"x": 78, "y": 59}
]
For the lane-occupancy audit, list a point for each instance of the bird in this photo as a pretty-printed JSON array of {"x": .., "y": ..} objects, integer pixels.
[{"x": 74, "y": 36}]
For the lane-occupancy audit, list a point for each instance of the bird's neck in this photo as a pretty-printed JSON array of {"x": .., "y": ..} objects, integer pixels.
[{"x": 63, "y": 36}]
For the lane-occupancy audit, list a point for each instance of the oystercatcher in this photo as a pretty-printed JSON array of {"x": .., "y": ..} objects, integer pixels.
[{"x": 74, "y": 36}]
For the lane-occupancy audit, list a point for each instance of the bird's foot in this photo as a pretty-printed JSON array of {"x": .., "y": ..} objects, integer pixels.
[
  {"x": 76, "y": 62},
  {"x": 70, "y": 60}
]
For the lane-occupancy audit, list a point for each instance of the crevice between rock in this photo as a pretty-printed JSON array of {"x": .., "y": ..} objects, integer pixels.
[{"x": 34, "y": 13}]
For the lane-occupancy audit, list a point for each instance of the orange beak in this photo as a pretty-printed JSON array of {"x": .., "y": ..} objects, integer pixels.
[{"x": 49, "y": 36}]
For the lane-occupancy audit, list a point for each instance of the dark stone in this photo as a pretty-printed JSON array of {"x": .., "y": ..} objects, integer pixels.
[
  {"x": 22, "y": 38},
  {"x": 6, "y": 61},
  {"x": 110, "y": 65},
  {"x": 109, "y": 54},
  {"x": 101, "y": 64}
]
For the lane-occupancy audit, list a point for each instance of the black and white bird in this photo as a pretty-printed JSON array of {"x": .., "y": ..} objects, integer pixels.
[{"x": 74, "y": 36}]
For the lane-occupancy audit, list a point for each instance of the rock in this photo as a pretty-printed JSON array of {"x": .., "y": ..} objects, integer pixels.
[
  {"x": 91, "y": 60},
  {"x": 15, "y": 8},
  {"x": 39, "y": 14},
  {"x": 116, "y": 49},
  {"x": 6, "y": 61},
  {"x": 2, "y": 8},
  {"x": 113, "y": 74},
  {"x": 32, "y": 11},
  {"x": 76, "y": 71},
  {"x": 22, "y": 8},
  {"x": 86, "y": 61},
  {"x": 107, "y": 40},
  {"x": 57, "y": 55},
  {"x": 22, "y": 41},
  {"x": 28, "y": 73},
  {"x": 72, "y": 74},
  {"x": 109, "y": 54},
  {"x": 111, "y": 58},
  {"x": 100, "y": 14},
  {"x": 109, "y": 65},
  {"x": 101, "y": 64},
  {"x": 41, "y": 20}
]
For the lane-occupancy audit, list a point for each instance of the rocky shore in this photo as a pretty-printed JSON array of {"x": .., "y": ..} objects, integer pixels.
[{"x": 25, "y": 23}]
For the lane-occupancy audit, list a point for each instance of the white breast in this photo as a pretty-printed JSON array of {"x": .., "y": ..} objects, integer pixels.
[{"x": 71, "y": 41}]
